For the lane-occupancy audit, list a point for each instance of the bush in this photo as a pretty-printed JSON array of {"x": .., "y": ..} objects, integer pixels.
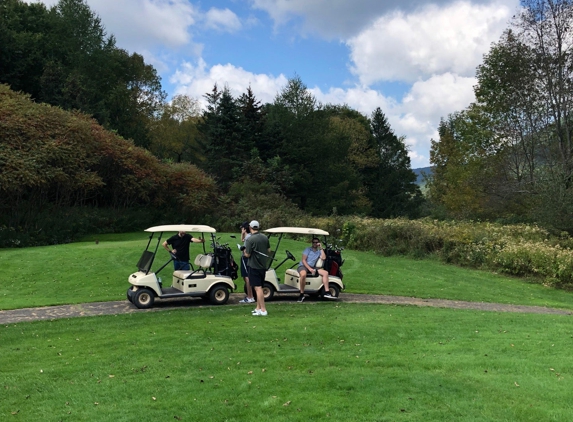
[{"x": 518, "y": 249}]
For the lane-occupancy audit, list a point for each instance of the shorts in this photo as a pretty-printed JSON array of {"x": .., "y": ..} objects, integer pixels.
[
  {"x": 308, "y": 273},
  {"x": 257, "y": 277},
  {"x": 244, "y": 267}
]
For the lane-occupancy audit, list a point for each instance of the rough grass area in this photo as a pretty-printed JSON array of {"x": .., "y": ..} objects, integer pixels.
[{"x": 320, "y": 361}]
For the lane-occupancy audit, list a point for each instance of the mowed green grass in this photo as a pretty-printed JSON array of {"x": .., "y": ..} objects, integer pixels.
[
  {"x": 312, "y": 361},
  {"x": 91, "y": 272}
]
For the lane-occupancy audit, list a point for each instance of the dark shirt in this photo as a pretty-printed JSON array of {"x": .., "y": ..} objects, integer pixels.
[{"x": 181, "y": 245}]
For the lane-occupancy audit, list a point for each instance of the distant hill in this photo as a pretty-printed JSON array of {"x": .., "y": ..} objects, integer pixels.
[{"x": 420, "y": 172}]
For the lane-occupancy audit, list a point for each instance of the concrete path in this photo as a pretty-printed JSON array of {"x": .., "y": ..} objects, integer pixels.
[{"x": 124, "y": 307}]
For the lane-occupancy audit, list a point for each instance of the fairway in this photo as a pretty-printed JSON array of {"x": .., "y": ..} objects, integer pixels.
[
  {"x": 321, "y": 361},
  {"x": 312, "y": 361}
]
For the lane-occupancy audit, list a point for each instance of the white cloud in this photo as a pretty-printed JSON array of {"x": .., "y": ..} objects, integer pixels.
[
  {"x": 433, "y": 40},
  {"x": 144, "y": 24},
  {"x": 197, "y": 80},
  {"x": 222, "y": 20},
  {"x": 342, "y": 18}
]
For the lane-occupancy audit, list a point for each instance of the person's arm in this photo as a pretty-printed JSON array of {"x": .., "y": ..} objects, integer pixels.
[
  {"x": 248, "y": 247},
  {"x": 197, "y": 240},
  {"x": 165, "y": 245},
  {"x": 305, "y": 263}
]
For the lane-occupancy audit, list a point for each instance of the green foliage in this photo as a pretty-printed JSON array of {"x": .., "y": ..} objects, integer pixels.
[
  {"x": 63, "y": 56},
  {"x": 519, "y": 249},
  {"x": 510, "y": 155},
  {"x": 53, "y": 160},
  {"x": 393, "y": 189}
]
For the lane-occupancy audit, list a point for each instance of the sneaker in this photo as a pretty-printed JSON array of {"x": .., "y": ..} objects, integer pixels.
[
  {"x": 255, "y": 311},
  {"x": 247, "y": 300},
  {"x": 327, "y": 295},
  {"x": 260, "y": 313},
  {"x": 300, "y": 298}
]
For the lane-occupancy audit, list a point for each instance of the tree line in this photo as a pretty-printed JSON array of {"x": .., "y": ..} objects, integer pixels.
[
  {"x": 509, "y": 155},
  {"x": 278, "y": 159}
]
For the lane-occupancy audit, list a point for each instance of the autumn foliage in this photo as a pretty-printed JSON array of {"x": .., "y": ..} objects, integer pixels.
[{"x": 53, "y": 160}]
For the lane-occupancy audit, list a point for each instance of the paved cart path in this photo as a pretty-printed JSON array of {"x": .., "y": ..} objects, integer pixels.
[{"x": 124, "y": 307}]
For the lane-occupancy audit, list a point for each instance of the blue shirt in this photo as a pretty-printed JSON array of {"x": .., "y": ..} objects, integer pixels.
[{"x": 311, "y": 256}]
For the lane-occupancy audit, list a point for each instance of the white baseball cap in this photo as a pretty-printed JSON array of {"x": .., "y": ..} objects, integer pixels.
[{"x": 254, "y": 224}]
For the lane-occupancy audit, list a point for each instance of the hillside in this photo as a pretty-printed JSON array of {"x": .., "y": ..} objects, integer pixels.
[{"x": 420, "y": 172}]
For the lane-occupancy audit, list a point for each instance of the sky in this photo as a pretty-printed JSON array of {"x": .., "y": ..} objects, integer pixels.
[{"x": 414, "y": 59}]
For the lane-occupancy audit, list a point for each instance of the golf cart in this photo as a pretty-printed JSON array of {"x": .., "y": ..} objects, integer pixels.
[
  {"x": 210, "y": 277},
  {"x": 314, "y": 286}
]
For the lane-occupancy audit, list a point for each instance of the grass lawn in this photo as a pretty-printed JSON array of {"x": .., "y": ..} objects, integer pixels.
[
  {"x": 320, "y": 361},
  {"x": 313, "y": 361},
  {"x": 91, "y": 272}
]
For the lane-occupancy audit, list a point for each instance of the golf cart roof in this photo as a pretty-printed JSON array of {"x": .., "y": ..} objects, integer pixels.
[
  {"x": 297, "y": 230},
  {"x": 192, "y": 228}
]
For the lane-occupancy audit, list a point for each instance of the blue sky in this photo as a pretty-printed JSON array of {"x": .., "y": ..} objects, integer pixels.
[{"x": 414, "y": 59}]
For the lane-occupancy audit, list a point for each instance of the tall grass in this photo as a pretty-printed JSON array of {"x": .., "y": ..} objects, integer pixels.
[{"x": 521, "y": 250}]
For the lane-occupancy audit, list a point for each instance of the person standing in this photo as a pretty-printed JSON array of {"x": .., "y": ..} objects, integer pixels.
[
  {"x": 257, "y": 250},
  {"x": 180, "y": 249},
  {"x": 245, "y": 234}
]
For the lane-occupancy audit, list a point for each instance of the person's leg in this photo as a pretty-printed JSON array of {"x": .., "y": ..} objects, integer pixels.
[
  {"x": 260, "y": 299},
  {"x": 257, "y": 278},
  {"x": 245, "y": 275},
  {"x": 301, "y": 280},
  {"x": 248, "y": 288},
  {"x": 324, "y": 275}
]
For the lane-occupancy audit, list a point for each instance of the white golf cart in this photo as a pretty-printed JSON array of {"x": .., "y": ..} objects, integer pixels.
[
  {"x": 314, "y": 286},
  {"x": 210, "y": 277}
]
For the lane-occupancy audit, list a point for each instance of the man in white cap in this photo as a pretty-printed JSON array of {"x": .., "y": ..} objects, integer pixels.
[{"x": 257, "y": 250}]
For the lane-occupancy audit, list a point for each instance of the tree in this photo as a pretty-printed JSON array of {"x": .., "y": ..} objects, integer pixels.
[
  {"x": 393, "y": 189},
  {"x": 175, "y": 134},
  {"x": 63, "y": 57},
  {"x": 221, "y": 129}
]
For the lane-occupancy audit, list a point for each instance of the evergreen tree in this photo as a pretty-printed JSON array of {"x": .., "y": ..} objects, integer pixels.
[
  {"x": 394, "y": 192},
  {"x": 222, "y": 133}
]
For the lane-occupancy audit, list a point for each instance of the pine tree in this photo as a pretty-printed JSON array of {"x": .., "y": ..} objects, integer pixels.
[{"x": 393, "y": 189}]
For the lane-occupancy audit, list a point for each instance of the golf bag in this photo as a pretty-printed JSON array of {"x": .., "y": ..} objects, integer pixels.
[
  {"x": 224, "y": 264},
  {"x": 333, "y": 262}
]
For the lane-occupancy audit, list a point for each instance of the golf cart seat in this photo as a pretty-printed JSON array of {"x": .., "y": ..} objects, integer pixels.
[
  {"x": 294, "y": 273},
  {"x": 202, "y": 262}
]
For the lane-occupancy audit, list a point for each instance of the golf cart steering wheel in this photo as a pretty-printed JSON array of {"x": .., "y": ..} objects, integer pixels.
[{"x": 290, "y": 256}]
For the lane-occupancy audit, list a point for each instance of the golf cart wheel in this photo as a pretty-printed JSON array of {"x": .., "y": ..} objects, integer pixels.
[
  {"x": 128, "y": 294},
  {"x": 143, "y": 298},
  {"x": 334, "y": 289},
  {"x": 219, "y": 295},
  {"x": 268, "y": 291}
]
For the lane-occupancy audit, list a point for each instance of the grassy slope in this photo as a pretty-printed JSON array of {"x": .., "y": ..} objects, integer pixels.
[{"x": 90, "y": 272}]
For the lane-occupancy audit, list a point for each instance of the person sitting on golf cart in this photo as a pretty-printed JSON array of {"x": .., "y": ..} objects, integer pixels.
[
  {"x": 180, "y": 249},
  {"x": 307, "y": 265}
]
